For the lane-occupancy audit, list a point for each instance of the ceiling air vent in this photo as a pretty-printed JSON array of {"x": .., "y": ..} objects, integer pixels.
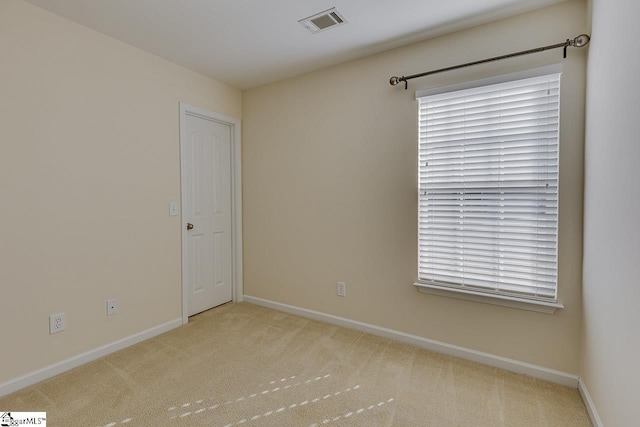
[{"x": 323, "y": 20}]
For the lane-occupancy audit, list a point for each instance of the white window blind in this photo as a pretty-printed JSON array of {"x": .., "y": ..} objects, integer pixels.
[{"x": 488, "y": 188}]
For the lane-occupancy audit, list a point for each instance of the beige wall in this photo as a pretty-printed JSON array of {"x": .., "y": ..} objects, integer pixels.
[
  {"x": 329, "y": 172},
  {"x": 89, "y": 160},
  {"x": 611, "y": 341}
]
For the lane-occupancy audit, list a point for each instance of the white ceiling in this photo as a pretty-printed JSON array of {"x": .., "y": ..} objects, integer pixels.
[{"x": 246, "y": 43}]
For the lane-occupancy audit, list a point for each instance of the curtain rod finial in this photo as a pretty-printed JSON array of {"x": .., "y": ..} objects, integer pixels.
[
  {"x": 393, "y": 81},
  {"x": 581, "y": 41}
]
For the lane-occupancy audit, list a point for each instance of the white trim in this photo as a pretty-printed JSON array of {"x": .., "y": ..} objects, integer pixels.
[
  {"x": 487, "y": 298},
  {"x": 236, "y": 200},
  {"x": 75, "y": 361},
  {"x": 588, "y": 402},
  {"x": 512, "y": 365},
  {"x": 238, "y": 290},
  {"x": 503, "y": 78}
]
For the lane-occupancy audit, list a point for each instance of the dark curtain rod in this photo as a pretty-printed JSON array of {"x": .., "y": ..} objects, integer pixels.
[{"x": 580, "y": 41}]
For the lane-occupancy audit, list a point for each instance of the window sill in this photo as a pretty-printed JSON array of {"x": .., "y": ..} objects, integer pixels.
[{"x": 506, "y": 301}]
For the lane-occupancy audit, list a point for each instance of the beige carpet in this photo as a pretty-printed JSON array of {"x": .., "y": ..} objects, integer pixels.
[{"x": 244, "y": 365}]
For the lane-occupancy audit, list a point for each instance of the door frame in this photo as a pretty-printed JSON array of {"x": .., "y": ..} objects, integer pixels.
[{"x": 236, "y": 199}]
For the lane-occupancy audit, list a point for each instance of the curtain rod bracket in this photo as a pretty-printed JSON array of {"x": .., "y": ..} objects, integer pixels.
[{"x": 579, "y": 41}]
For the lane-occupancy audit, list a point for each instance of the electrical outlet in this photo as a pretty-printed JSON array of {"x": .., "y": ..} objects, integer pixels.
[
  {"x": 112, "y": 307},
  {"x": 57, "y": 323},
  {"x": 341, "y": 289}
]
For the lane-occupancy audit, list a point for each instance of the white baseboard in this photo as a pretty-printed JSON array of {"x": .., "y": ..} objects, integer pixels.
[
  {"x": 512, "y": 365},
  {"x": 588, "y": 402},
  {"x": 75, "y": 361}
]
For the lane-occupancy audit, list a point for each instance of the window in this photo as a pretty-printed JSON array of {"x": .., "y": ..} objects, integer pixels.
[{"x": 488, "y": 189}]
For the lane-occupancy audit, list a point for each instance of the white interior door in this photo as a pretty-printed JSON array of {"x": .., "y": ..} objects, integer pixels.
[{"x": 206, "y": 214}]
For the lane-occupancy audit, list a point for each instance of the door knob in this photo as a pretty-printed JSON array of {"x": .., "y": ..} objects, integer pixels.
[{"x": 189, "y": 226}]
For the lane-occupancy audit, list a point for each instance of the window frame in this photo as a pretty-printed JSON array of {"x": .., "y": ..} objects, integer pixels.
[{"x": 510, "y": 300}]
